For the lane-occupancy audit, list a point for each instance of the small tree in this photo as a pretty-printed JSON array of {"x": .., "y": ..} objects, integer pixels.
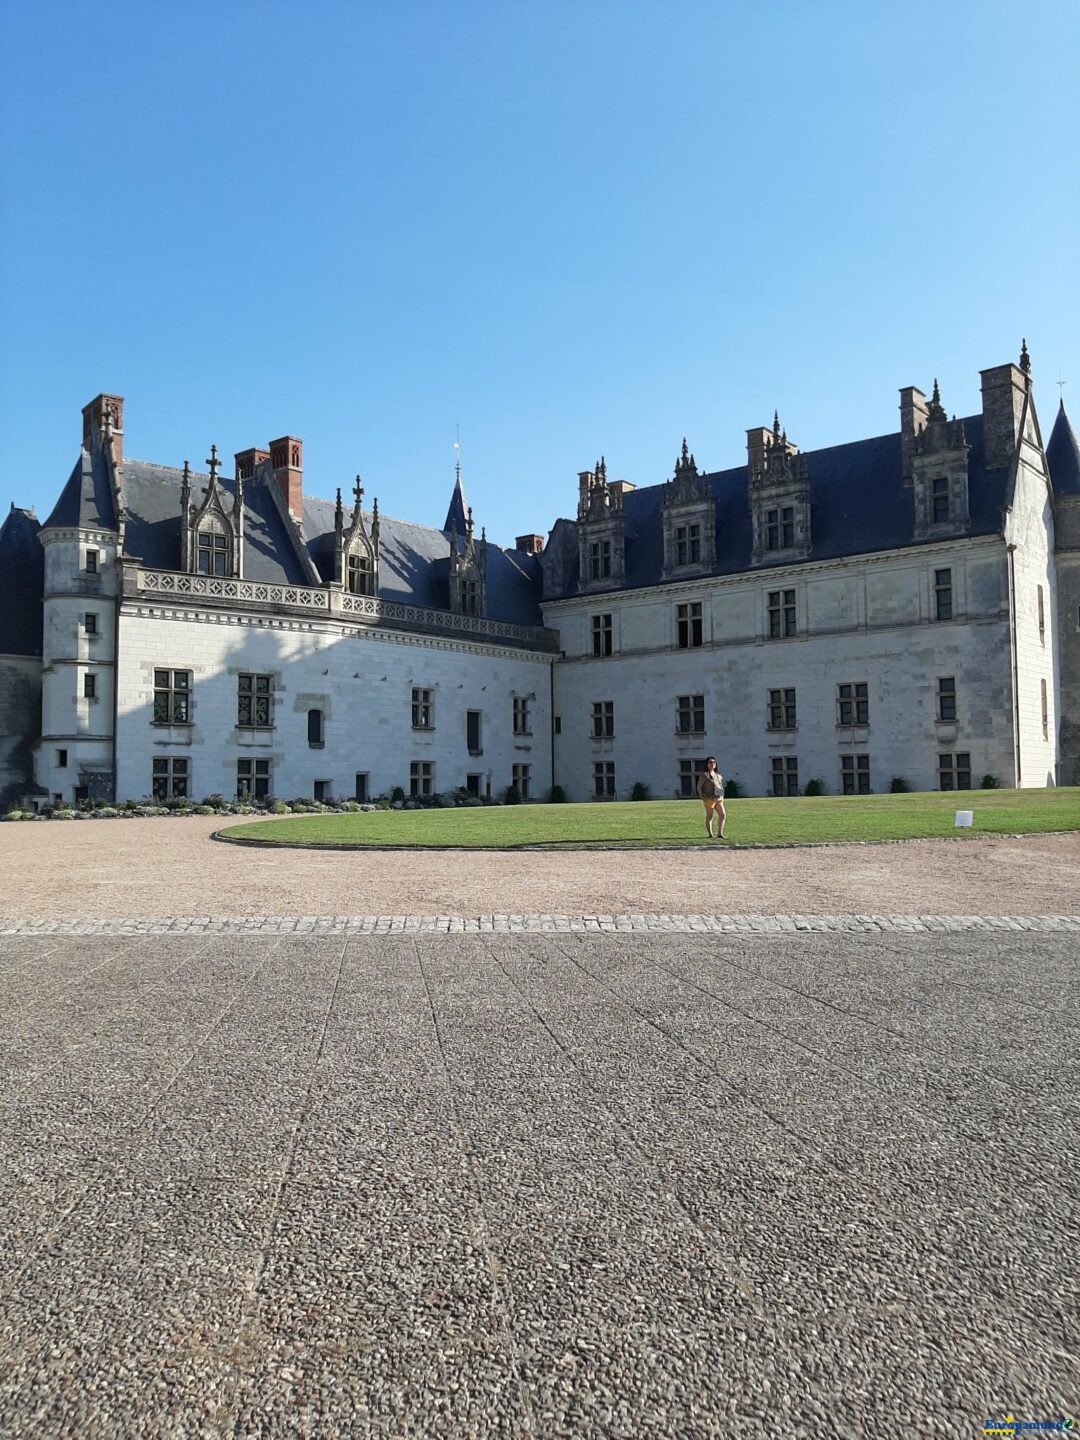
[
  {"x": 556, "y": 795},
  {"x": 511, "y": 795},
  {"x": 989, "y": 782},
  {"x": 814, "y": 787},
  {"x": 898, "y": 785},
  {"x": 731, "y": 790},
  {"x": 640, "y": 791}
]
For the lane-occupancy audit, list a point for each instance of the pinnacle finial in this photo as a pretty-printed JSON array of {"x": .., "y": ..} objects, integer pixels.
[
  {"x": 187, "y": 473},
  {"x": 776, "y": 424},
  {"x": 936, "y": 397},
  {"x": 358, "y": 490},
  {"x": 214, "y": 463},
  {"x": 1025, "y": 358},
  {"x": 685, "y": 449},
  {"x": 337, "y": 506}
]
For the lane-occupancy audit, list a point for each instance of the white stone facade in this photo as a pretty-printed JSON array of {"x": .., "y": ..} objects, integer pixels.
[
  {"x": 360, "y": 680},
  {"x": 868, "y": 621}
]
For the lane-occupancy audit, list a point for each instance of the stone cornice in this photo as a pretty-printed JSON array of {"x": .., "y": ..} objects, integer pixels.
[{"x": 760, "y": 574}]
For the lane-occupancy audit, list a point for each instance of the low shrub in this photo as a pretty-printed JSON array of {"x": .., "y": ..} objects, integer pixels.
[
  {"x": 383, "y": 803},
  {"x": 731, "y": 790},
  {"x": 556, "y": 795},
  {"x": 106, "y": 812},
  {"x": 471, "y": 802},
  {"x": 397, "y": 793},
  {"x": 445, "y": 801},
  {"x": 14, "y": 815},
  {"x": 511, "y": 795},
  {"x": 205, "y": 810},
  {"x": 989, "y": 782},
  {"x": 278, "y": 807},
  {"x": 216, "y": 802},
  {"x": 640, "y": 791},
  {"x": 898, "y": 785},
  {"x": 814, "y": 787}
]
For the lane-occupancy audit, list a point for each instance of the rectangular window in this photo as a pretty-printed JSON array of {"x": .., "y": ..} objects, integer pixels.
[
  {"x": 604, "y": 779},
  {"x": 521, "y": 715},
  {"x": 852, "y": 705},
  {"x": 90, "y": 622},
  {"x": 601, "y": 635},
  {"x": 61, "y": 759},
  {"x": 421, "y": 778},
  {"x": 170, "y": 777},
  {"x": 89, "y": 687},
  {"x": 781, "y": 709},
  {"x": 91, "y": 562},
  {"x": 521, "y": 779},
  {"x": 954, "y": 771},
  {"x": 781, "y": 614},
  {"x": 472, "y": 732},
  {"x": 599, "y": 559},
  {"x": 785, "y": 775},
  {"x": 1042, "y": 617},
  {"x": 942, "y": 594},
  {"x": 253, "y": 701},
  {"x": 1045, "y": 711},
  {"x": 322, "y": 790},
  {"x": 688, "y": 545},
  {"x": 360, "y": 575},
  {"x": 603, "y": 719},
  {"x": 472, "y": 784},
  {"x": 470, "y": 597},
  {"x": 315, "y": 729},
  {"x": 946, "y": 698},
  {"x": 172, "y": 697},
  {"x": 689, "y": 625},
  {"x": 940, "y": 501},
  {"x": 423, "y": 709},
  {"x": 780, "y": 528},
  {"x": 558, "y": 724},
  {"x": 690, "y": 772},
  {"x": 252, "y": 779},
  {"x": 213, "y": 550},
  {"x": 690, "y": 714},
  {"x": 361, "y": 792},
  {"x": 855, "y": 774}
]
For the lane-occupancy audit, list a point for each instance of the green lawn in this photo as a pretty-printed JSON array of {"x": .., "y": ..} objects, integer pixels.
[{"x": 680, "y": 822}]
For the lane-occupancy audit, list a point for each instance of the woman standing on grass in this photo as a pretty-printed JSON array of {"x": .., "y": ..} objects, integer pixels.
[{"x": 710, "y": 787}]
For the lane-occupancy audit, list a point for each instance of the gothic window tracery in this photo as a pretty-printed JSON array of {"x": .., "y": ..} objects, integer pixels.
[{"x": 356, "y": 564}]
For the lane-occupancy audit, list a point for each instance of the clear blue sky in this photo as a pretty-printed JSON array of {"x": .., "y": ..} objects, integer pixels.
[{"x": 567, "y": 227}]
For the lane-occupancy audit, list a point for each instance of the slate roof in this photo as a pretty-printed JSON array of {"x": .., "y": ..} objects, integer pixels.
[
  {"x": 1063, "y": 455},
  {"x": 413, "y": 559},
  {"x": 455, "y": 515},
  {"x": 22, "y": 580},
  {"x": 859, "y": 505},
  {"x": 86, "y": 500}
]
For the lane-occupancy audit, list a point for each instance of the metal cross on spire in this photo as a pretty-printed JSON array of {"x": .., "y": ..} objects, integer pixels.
[
  {"x": 1061, "y": 386},
  {"x": 214, "y": 463},
  {"x": 358, "y": 490}
]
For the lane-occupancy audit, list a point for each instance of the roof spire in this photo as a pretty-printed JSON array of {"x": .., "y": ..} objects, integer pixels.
[
  {"x": 776, "y": 424},
  {"x": 215, "y": 464},
  {"x": 1025, "y": 358},
  {"x": 455, "y": 515}
]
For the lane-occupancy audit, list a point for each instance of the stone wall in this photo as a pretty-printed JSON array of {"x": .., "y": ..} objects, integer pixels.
[
  {"x": 870, "y": 621},
  {"x": 20, "y": 724}
]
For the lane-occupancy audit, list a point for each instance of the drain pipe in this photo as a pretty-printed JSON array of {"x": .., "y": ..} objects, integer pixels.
[{"x": 1015, "y": 664}]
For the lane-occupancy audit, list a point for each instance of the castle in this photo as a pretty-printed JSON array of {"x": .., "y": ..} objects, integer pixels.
[{"x": 904, "y": 606}]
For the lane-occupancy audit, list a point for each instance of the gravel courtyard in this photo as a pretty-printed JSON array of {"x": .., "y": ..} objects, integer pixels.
[
  {"x": 550, "y": 1185},
  {"x": 123, "y": 868}
]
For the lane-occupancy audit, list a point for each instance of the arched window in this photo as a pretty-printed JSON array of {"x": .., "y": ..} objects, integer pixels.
[
  {"x": 213, "y": 551},
  {"x": 315, "y": 728}
]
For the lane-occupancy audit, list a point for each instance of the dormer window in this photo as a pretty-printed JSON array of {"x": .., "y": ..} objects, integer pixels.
[
  {"x": 600, "y": 560},
  {"x": 470, "y": 597},
  {"x": 780, "y": 528},
  {"x": 213, "y": 553},
  {"x": 688, "y": 545},
  {"x": 360, "y": 575}
]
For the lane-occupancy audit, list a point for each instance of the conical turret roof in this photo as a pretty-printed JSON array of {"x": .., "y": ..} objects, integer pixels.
[{"x": 1063, "y": 455}]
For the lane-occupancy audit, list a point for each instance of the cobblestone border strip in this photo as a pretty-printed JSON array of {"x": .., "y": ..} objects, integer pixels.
[{"x": 537, "y": 924}]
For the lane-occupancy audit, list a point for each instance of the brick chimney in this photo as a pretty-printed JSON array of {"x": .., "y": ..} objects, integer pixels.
[
  {"x": 1003, "y": 389},
  {"x": 529, "y": 544},
  {"x": 93, "y": 423},
  {"x": 913, "y": 417},
  {"x": 287, "y": 458},
  {"x": 246, "y": 461}
]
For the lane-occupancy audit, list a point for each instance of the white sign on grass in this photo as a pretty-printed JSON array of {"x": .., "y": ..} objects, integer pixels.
[{"x": 964, "y": 818}]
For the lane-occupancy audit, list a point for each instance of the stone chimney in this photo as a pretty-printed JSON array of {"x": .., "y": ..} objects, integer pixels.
[
  {"x": 757, "y": 445},
  {"x": 913, "y": 418},
  {"x": 93, "y": 420},
  {"x": 247, "y": 460},
  {"x": 1003, "y": 391},
  {"x": 620, "y": 487},
  {"x": 529, "y": 544},
  {"x": 287, "y": 458}
]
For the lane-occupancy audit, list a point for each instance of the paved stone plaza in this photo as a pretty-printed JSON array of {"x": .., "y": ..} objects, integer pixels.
[{"x": 570, "y": 1183}]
